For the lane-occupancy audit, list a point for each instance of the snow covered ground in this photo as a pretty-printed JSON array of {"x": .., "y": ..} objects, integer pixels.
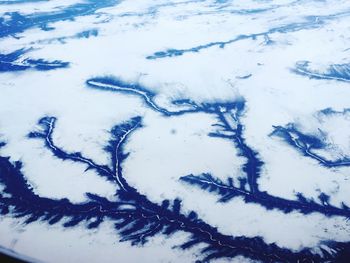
[{"x": 175, "y": 131}]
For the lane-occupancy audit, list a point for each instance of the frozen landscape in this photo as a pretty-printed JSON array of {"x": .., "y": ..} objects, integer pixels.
[{"x": 175, "y": 131}]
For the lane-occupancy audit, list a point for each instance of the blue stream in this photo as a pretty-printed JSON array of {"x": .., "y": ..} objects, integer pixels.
[
  {"x": 230, "y": 128},
  {"x": 117, "y": 85},
  {"x": 228, "y": 191},
  {"x": 340, "y": 72},
  {"x": 19, "y": 23},
  {"x": 310, "y": 22},
  {"x": 12, "y": 62},
  {"x": 306, "y": 144},
  {"x": 11, "y": 2},
  {"x": 62, "y": 40},
  {"x": 136, "y": 218}
]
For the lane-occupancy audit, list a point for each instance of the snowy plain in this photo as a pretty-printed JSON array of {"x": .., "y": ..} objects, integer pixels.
[{"x": 114, "y": 111}]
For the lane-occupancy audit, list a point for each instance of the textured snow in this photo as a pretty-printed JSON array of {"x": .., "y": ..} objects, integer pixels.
[{"x": 183, "y": 65}]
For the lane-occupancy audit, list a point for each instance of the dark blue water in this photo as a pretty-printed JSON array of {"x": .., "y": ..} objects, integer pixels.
[
  {"x": 340, "y": 72},
  {"x": 18, "y": 23},
  {"x": 310, "y": 22},
  {"x": 308, "y": 144},
  {"x": 136, "y": 218},
  {"x": 14, "y": 62}
]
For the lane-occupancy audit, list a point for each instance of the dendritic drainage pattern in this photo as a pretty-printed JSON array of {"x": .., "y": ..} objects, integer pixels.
[{"x": 37, "y": 34}]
